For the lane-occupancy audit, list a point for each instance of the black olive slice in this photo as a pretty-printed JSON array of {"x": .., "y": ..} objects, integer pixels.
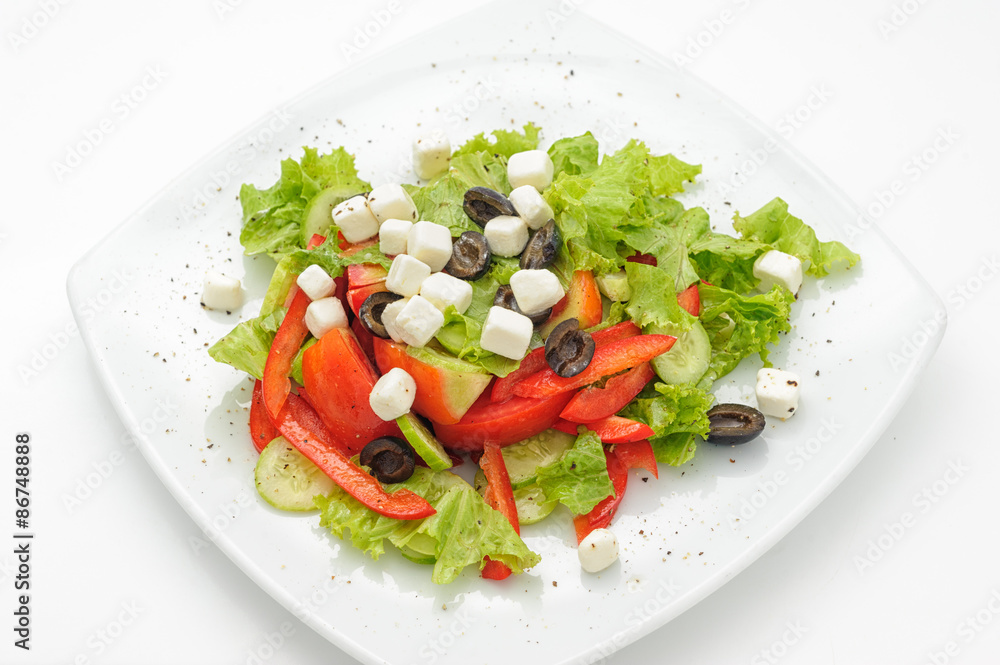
[
  {"x": 569, "y": 350},
  {"x": 390, "y": 459},
  {"x": 734, "y": 423},
  {"x": 482, "y": 204},
  {"x": 542, "y": 248},
  {"x": 470, "y": 256},
  {"x": 371, "y": 310},
  {"x": 505, "y": 298}
]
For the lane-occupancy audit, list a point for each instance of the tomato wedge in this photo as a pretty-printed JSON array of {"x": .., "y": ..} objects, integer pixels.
[
  {"x": 614, "y": 429},
  {"x": 287, "y": 341},
  {"x": 690, "y": 300},
  {"x": 339, "y": 380},
  {"x": 503, "y": 388},
  {"x": 608, "y": 359},
  {"x": 593, "y": 403},
  {"x": 315, "y": 241},
  {"x": 500, "y": 496},
  {"x": 501, "y": 424},
  {"x": 262, "y": 431},
  {"x": 600, "y": 516},
  {"x": 637, "y": 455},
  {"x": 292, "y": 423}
]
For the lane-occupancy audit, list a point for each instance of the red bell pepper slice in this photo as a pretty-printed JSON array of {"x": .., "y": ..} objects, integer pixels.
[
  {"x": 690, "y": 300},
  {"x": 293, "y": 421},
  {"x": 315, "y": 241},
  {"x": 262, "y": 431},
  {"x": 500, "y": 496},
  {"x": 637, "y": 455},
  {"x": 600, "y": 516},
  {"x": 594, "y": 403},
  {"x": 614, "y": 429},
  {"x": 287, "y": 341},
  {"x": 365, "y": 339},
  {"x": 340, "y": 379},
  {"x": 608, "y": 359},
  {"x": 503, "y": 388},
  {"x": 502, "y": 424}
]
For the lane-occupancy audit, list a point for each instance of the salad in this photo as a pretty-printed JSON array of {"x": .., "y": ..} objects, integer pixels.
[{"x": 554, "y": 317}]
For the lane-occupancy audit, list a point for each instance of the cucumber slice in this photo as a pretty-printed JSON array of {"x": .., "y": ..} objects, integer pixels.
[
  {"x": 419, "y": 549},
  {"x": 287, "y": 480},
  {"x": 318, "y": 214},
  {"x": 423, "y": 442},
  {"x": 688, "y": 359},
  {"x": 532, "y": 504},
  {"x": 523, "y": 459}
]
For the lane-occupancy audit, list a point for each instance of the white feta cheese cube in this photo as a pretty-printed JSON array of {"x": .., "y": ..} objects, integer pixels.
[
  {"x": 355, "y": 220},
  {"x": 393, "y": 394},
  {"x": 442, "y": 290},
  {"x": 392, "y": 236},
  {"x": 536, "y": 290},
  {"x": 776, "y": 267},
  {"x": 431, "y": 155},
  {"x": 221, "y": 292},
  {"x": 406, "y": 274},
  {"x": 430, "y": 243},
  {"x": 325, "y": 314},
  {"x": 777, "y": 392},
  {"x": 614, "y": 286},
  {"x": 531, "y": 207},
  {"x": 506, "y": 236},
  {"x": 418, "y": 321},
  {"x": 391, "y": 201},
  {"x": 389, "y": 315},
  {"x": 506, "y": 333},
  {"x": 531, "y": 167},
  {"x": 315, "y": 282},
  {"x": 598, "y": 550}
]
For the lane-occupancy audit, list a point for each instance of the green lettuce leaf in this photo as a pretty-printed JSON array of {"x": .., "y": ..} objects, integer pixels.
[
  {"x": 726, "y": 261},
  {"x": 504, "y": 142},
  {"x": 669, "y": 243},
  {"x": 271, "y": 217},
  {"x": 574, "y": 155},
  {"x": 749, "y": 325},
  {"x": 462, "y": 531},
  {"x": 579, "y": 480},
  {"x": 654, "y": 300},
  {"x": 667, "y": 174},
  {"x": 247, "y": 345},
  {"x": 774, "y": 226},
  {"x": 677, "y": 413},
  {"x": 442, "y": 199}
]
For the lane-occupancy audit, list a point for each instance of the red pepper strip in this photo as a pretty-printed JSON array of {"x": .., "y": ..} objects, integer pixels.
[
  {"x": 316, "y": 241},
  {"x": 637, "y": 455},
  {"x": 503, "y": 389},
  {"x": 293, "y": 423},
  {"x": 610, "y": 430},
  {"x": 690, "y": 300},
  {"x": 291, "y": 333},
  {"x": 500, "y": 496},
  {"x": 312, "y": 421},
  {"x": 600, "y": 516},
  {"x": 608, "y": 359},
  {"x": 262, "y": 432},
  {"x": 593, "y": 403}
]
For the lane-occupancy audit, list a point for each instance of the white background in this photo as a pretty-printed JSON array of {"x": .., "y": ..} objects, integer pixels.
[{"x": 891, "y": 89}]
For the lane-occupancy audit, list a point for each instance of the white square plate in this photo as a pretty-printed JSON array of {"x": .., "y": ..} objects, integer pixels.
[{"x": 859, "y": 339}]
